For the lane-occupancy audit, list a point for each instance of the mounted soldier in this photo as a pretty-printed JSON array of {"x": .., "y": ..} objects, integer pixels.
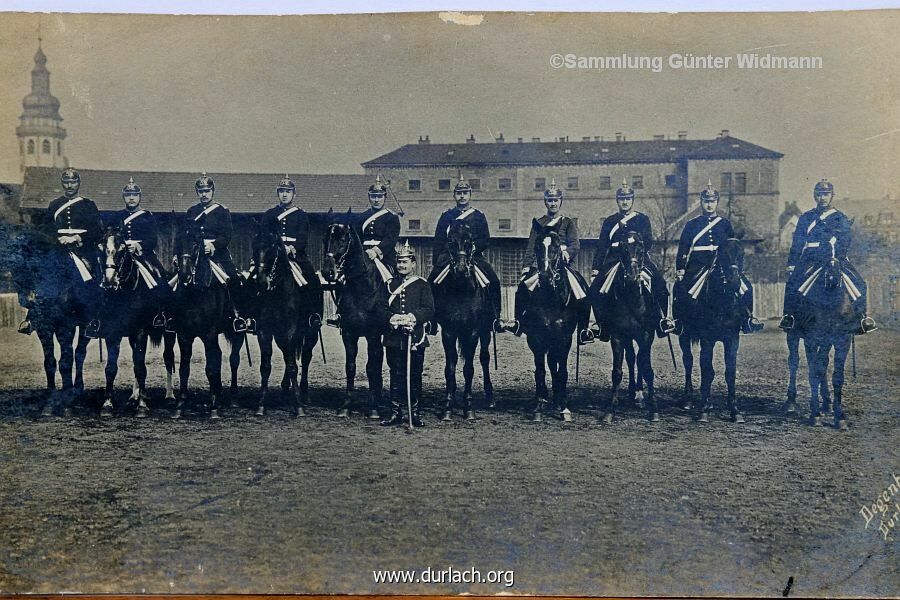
[
  {"x": 407, "y": 308},
  {"x": 570, "y": 245},
  {"x": 378, "y": 229},
  {"x": 481, "y": 237},
  {"x": 137, "y": 229},
  {"x": 697, "y": 252},
  {"x": 207, "y": 225},
  {"x": 288, "y": 223},
  {"x": 74, "y": 222},
  {"x": 606, "y": 260},
  {"x": 822, "y": 233}
]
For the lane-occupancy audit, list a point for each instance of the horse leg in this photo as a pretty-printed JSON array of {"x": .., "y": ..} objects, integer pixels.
[
  {"x": 113, "y": 346},
  {"x": 468, "y": 345},
  {"x": 185, "y": 349},
  {"x": 65, "y": 336},
  {"x": 265, "y": 369},
  {"x": 289, "y": 353},
  {"x": 306, "y": 344},
  {"x": 451, "y": 358},
  {"x": 646, "y": 374},
  {"x": 635, "y": 383},
  {"x": 793, "y": 344},
  {"x": 46, "y": 339},
  {"x": 812, "y": 361},
  {"x": 707, "y": 374},
  {"x": 540, "y": 378},
  {"x": 139, "y": 358},
  {"x": 841, "y": 349},
  {"x": 687, "y": 359},
  {"x": 234, "y": 362},
  {"x": 169, "y": 340},
  {"x": 213, "y": 372},
  {"x": 824, "y": 390},
  {"x": 732, "y": 344},
  {"x": 80, "y": 355},
  {"x": 374, "y": 366},
  {"x": 484, "y": 357},
  {"x": 559, "y": 372},
  {"x": 618, "y": 354},
  {"x": 351, "y": 349}
]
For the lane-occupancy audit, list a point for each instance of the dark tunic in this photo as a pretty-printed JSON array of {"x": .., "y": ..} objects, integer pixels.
[
  {"x": 140, "y": 226},
  {"x": 290, "y": 224},
  {"x": 415, "y": 298},
  {"x": 612, "y": 226},
  {"x": 693, "y": 256},
  {"x": 76, "y": 216},
  {"x": 478, "y": 226},
  {"x": 211, "y": 222},
  {"x": 567, "y": 230},
  {"x": 379, "y": 229}
]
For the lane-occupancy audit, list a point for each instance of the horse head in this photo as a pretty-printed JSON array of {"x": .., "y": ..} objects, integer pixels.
[
  {"x": 547, "y": 252},
  {"x": 832, "y": 272},
  {"x": 339, "y": 239},
  {"x": 190, "y": 264},
  {"x": 631, "y": 254},
  {"x": 460, "y": 246},
  {"x": 730, "y": 258},
  {"x": 117, "y": 263}
]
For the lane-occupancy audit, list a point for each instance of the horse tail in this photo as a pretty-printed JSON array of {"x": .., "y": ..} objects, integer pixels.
[{"x": 155, "y": 337}]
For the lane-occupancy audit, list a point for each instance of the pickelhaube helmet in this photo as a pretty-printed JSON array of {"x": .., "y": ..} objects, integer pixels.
[
  {"x": 710, "y": 193},
  {"x": 823, "y": 187},
  {"x": 131, "y": 187},
  {"x": 462, "y": 185},
  {"x": 377, "y": 189},
  {"x": 626, "y": 192},
  {"x": 405, "y": 250},
  {"x": 205, "y": 183},
  {"x": 286, "y": 183},
  {"x": 553, "y": 192},
  {"x": 70, "y": 174}
]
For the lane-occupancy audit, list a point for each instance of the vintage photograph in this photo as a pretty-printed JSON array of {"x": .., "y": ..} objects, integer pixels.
[{"x": 450, "y": 303}]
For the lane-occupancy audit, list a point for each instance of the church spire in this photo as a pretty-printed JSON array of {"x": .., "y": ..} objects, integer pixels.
[{"x": 40, "y": 130}]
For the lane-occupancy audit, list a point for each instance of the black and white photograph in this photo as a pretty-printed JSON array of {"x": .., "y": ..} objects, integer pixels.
[{"x": 492, "y": 303}]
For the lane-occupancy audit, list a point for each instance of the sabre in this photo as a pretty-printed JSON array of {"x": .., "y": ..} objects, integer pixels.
[
  {"x": 247, "y": 348},
  {"x": 322, "y": 346},
  {"x": 409, "y": 381},
  {"x": 577, "y": 360},
  {"x": 672, "y": 352},
  {"x": 494, "y": 335},
  {"x": 853, "y": 353},
  {"x": 394, "y": 196},
  {"x": 100, "y": 350}
]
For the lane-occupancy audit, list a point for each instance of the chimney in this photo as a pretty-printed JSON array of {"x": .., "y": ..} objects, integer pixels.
[
  {"x": 585, "y": 138},
  {"x": 618, "y": 136},
  {"x": 682, "y": 135},
  {"x": 500, "y": 139},
  {"x": 534, "y": 139},
  {"x": 597, "y": 138},
  {"x": 659, "y": 136},
  {"x": 470, "y": 139},
  {"x": 519, "y": 140},
  {"x": 724, "y": 133},
  {"x": 424, "y": 140}
]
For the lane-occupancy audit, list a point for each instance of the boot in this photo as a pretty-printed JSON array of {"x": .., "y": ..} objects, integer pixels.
[
  {"x": 866, "y": 325},
  {"x": 603, "y": 336},
  {"x": 159, "y": 320},
  {"x": 315, "y": 321},
  {"x": 239, "y": 324},
  {"x": 25, "y": 327},
  {"x": 92, "y": 330},
  {"x": 787, "y": 322},
  {"x": 498, "y": 326},
  {"x": 585, "y": 337},
  {"x": 417, "y": 420},
  {"x": 514, "y": 327},
  {"x": 396, "y": 419},
  {"x": 334, "y": 321},
  {"x": 431, "y": 328},
  {"x": 665, "y": 327}
]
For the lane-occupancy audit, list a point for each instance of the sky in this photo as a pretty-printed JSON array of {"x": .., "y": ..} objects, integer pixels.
[{"x": 322, "y": 94}]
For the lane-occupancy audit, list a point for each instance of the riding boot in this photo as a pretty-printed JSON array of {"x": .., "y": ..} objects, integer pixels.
[
  {"x": 92, "y": 329},
  {"x": 585, "y": 334},
  {"x": 521, "y": 301},
  {"x": 239, "y": 323},
  {"x": 25, "y": 326},
  {"x": 494, "y": 292},
  {"x": 866, "y": 324}
]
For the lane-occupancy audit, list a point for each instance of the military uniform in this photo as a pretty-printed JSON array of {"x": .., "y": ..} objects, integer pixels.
[
  {"x": 140, "y": 226},
  {"x": 211, "y": 222},
  {"x": 380, "y": 229},
  {"x": 614, "y": 228},
  {"x": 290, "y": 224},
  {"x": 77, "y": 216},
  {"x": 409, "y": 295}
]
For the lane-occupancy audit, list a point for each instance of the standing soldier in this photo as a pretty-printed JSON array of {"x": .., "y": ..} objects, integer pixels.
[
  {"x": 138, "y": 230},
  {"x": 822, "y": 233},
  {"x": 378, "y": 229},
  {"x": 409, "y": 306},
  {"x": 567, "y": 230},
  {"x": 696, "y": 255},
  {"x": 481, "y": 237},
  {"x": 74, "y": 222},
  {"x": 208, "y": 224},
  {"x": 615, "y": 225}
]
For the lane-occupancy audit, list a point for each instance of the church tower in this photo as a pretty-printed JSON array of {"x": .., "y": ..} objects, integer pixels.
[{"x": 40, "y": 131}]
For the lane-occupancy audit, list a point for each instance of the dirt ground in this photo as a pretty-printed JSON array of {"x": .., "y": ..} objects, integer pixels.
[{"x": 314, "y": 505}]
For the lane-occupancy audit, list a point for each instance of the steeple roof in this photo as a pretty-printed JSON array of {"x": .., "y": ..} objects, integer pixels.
[{"x": 40, "y": 103}]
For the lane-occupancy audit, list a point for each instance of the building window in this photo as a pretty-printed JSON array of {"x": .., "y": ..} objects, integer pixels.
[
  {"x": 504, "y": 225},
  {"x": 444, "y": 185},
  {"x": 504, "y": 183},
  {"x": 725, "y": 183},
  {"x": 45, "y": 146},
  {"x": 475, "y": 184},
  {"x": 886, "y": 218},
  {"x": 572, "y": 183},
  {"x": 540, "y": 184},
  {"x": 637, "y": 182},
  {"x": 414, "y": 185},
  {"x": 671, "y": 181},
  {"x": 740, "y": 183},
  {"x": 30, "y": 146},
  {"x": 414, "y": 225},
  {"x": 59, "y": 148},
  {"x": 605, "y": 183}
]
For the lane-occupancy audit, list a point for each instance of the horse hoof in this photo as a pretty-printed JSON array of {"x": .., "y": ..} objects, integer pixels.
[
  {"x": 815, "y": 421},
  {"x": 654, "y": 417},
  {"x": 687, "y": 406},
  {"x": 790, "y": 408},
  {"x": 214, "y": 414},
  {"x": 607, "y": 419},
  {"x": 67, "y": 412},
  {"x": 639, "y": 399},
  {"x": 738, "y": 418},
  {"x": 536, "y": 418},
  {"x": 703, "y": 418},
  {"x": 492, "y": 404},
  {"x": 261, "y": 411},
  {"x": 470, "y": 415},
  {"x": 566, "y": 415},
  {"x": 842, "y": 425},
  {"x": 299, "y": 412},
  {"x": 142, "y": 412},
  {"x": 47, "y": 412},
  {"x": 107, "y": 410},
  {"x": 373, "y": 414},
  {"x": 176, "y": 414},
  {"x": 343, "y": 413},
  {"x": 448, "y": 416},
  {"x": 234, "y": 404}
]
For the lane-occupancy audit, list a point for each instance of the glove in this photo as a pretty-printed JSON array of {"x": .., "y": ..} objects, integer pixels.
[
  {"x": 790, "y": 269},
  {"x": 524, "y": 272},
  {"x": 77, "y": 240},
  {"x": 291, "y": 250},
  {"x": 565, "y": 252},
  {"x": 372, "y": 253},
  {"x": 679, "y": 275},
  {"x": 134, "y": 247},
  {"x": 209, "y": 247},
  {"x": 594, "y": 274}
]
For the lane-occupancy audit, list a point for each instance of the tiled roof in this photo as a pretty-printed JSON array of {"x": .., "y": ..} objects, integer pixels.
[
  {"x": 581, "y": 152},
  {"x": 167, "y": 191}
]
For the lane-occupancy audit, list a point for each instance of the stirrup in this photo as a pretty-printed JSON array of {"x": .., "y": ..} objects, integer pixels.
[
  {"x": 497, "y": 326},
  {"x": 240, "y": 325},
  {"x": 666, "y": 326},
  {"x": 334, "y": 321},
  {"x": 159, "y": 320},
  {"x": 170, "y": 325},
  {"x": 753, "y": 325},
  {"x": 513, "y": 326},
  {"x": 92, "y": 330},
  {"x": 787, "y": 322},
  {"x": 867, "y": 325},
  {"x": 585, "y": 336},
  {"x": 250, "y": 322},
  {"x": 315, "y": 320},
  {"x": 25, "y": 327}
]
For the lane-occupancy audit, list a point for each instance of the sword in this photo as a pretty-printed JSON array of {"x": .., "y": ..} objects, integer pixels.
[
  {"x": 672, "y": 352},
  {"x": 409, "y": 381},
  {"x": 577, "y": 359},
  {"x": 322, "y": 346},
  {"x": 494, "y": 335},
  {"x": 100, "y": 350},
  {"x": 247, "y": 348},
  {"x": 853, "y": 353}
]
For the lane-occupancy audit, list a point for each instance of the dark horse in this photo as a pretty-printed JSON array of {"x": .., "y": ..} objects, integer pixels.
[
  {"x": 827, "y": 321},
  {"x": 130, "y": 302},
  {"x": 200, "y": 304},
  {"x": 290, "y": 314},
  {"x": 549, "y": 320},
  {"x": 716, "y": 316},
  {"x": 358, "y": 284},
  {"x": 463, "y": 310},
  {"x": 633, "y": 320}
]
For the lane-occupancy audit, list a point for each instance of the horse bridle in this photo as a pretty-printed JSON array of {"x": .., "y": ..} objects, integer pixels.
[
  {"x": 117, "y": 267},
  {"x": 339, "y": 261},
  {"x": 468, "y": 252},
  {"x": 554, "y": 267}
]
